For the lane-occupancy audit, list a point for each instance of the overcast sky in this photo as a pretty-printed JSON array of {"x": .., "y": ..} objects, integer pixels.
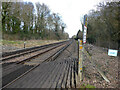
[{"x": 72, "y": 11}]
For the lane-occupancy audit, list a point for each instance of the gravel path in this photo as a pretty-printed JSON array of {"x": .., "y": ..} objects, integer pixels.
[{"x": 6, "y": 48}]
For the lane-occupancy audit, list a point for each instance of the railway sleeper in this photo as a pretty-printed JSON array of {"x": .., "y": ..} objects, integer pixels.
[
  {"x": 58, "y": 75},
  {"x": 38, "y": 75},
  {"x": 49, "y": 75},
  {"x": 54, "y": 75},
  {"x": 65, "y": 77},
  {"x": 43, "y": 76}
]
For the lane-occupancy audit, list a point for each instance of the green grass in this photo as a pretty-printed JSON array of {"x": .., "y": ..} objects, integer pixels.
[
  {"x": 90, "y": 86},
  {"x": 11, "y": 42},
  {"x": 87, "y": 86}
]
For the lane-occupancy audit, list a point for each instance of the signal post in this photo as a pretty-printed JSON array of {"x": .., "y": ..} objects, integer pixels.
[
  {"x": 81, "y": 47},
  {"x": 80, "y": 59}
]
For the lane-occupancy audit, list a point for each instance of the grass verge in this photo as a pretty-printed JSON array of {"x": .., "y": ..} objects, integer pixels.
[{"x": 87, "y": 86}]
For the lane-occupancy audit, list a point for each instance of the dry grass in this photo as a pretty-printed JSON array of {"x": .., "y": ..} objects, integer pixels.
[{"x": 29, "y": 43}]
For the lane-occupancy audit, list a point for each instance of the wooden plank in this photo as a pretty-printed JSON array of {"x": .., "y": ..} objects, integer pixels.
[
  {"x": 72, "y": 71},
  {"x": 59, "y": 83},
  {"x": 59, "y": 75},
  {"x": 68, "y": 79},
  {"x": 23, "y": 81},
  {"x": 39, "y": 75},
  {"x": 48, "y": 80},
  {"x": 54, "y": 76},
  {"x": 65, "y": 76},
  {"x": 44, "y": 76}
]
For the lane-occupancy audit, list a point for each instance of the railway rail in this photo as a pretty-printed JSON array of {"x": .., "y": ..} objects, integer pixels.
[
  {"x": 11, "y": 55},
  {"x": 5, "y": 54},
  {"x": 55, "y": 66},
  {"x": 26, "y": 56},
  {"x": 61, "y": 47}
]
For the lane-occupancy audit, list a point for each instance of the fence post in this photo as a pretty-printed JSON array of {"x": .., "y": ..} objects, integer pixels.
[{"x": 24, "y": 44}]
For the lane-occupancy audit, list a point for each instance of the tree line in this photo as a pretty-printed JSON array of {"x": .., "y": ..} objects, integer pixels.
[
  {"x": 103, "y": 25},
  {"x": 24, "y": 20}
]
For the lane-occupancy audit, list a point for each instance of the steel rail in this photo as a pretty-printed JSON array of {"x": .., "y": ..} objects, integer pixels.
[
  {"x": 29, "y": 51},
  {"x": 38, "y": 65},
  {"x": 35, "y": 55},
  {"x": 5, "y": 54}
]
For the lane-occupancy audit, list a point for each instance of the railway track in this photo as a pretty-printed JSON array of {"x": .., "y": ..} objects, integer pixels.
[
  {"x": 13, "y": 69},
  {"x": 19, "y": 64},
  {"x": 14, "y": 59},
  {"x": 31, "y": 49},
  {"x": 24, "y": 52},
  {"x": 54, "y": 67}
]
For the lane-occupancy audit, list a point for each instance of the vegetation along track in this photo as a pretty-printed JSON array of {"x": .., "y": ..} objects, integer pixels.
[
  {"x": 12, "y": 70},
  {"x": 18, "y": 69}
]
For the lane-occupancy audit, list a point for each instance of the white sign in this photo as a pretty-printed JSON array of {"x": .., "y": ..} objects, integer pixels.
[
  {"x": 84, "y": 34},
  {"x": 112, "y": 52}
]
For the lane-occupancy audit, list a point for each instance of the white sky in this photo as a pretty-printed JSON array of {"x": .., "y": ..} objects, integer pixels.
[{"x": 72, "y": 11}]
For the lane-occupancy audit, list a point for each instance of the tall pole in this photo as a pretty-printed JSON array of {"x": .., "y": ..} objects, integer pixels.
[
  {"x": 81, "y": 47},
  {"x": 84, "y": 33},
  {"x": 80, "y": 59}
]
